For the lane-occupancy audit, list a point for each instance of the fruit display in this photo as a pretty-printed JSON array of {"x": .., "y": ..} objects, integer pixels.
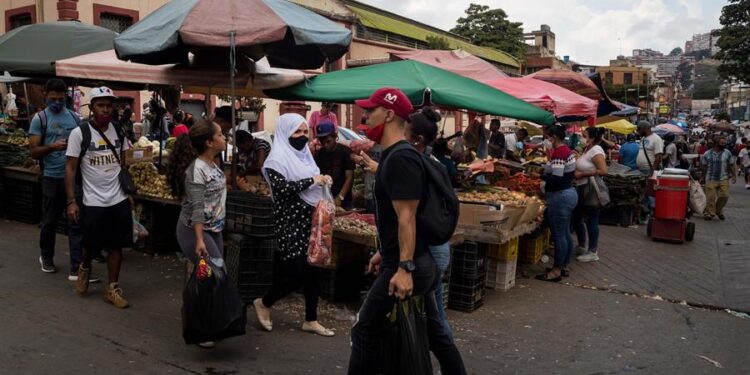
[
  {"x": 169, "y": 144},
  {"x": 12, "y": 155},
  {"x": 149, "y": 182},
  {"x": 494, "y": 196},
  {"x": 19, "y": 138},
  {"x": 521, "y": 182},
  {"x": 357, "y": 223}
]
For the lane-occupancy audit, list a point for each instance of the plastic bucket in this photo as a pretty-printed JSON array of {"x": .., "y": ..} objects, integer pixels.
[{"x": 671, "y": 197}]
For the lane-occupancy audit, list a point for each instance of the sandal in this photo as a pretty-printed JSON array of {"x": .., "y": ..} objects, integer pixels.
[
  {"x": 265, "y": 323},
  {"x": 545, "y": 277},
  {"x": 563, "y": 273},
  {"x": 319, "y": 330}
]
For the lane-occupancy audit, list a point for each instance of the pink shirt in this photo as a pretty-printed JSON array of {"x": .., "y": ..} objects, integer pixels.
[
  {"x": 179, "y": 130},
  {"x": 316, "y": 118}
]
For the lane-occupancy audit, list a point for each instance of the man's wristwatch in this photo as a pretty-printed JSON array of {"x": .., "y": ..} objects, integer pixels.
[{"x": 407, "y": 265}]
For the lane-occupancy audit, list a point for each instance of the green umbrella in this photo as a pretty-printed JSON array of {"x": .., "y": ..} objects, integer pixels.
[
  {"x": 415, "y": 79},
  {"x": 32, "y": 50}
]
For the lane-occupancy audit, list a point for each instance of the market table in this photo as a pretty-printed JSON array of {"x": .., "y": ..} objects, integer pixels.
[
  {"x": 160, "y": 217},
  {"x": 21, "y": 194}
]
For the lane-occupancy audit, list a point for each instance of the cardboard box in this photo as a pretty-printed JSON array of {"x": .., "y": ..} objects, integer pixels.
[
  {"x": 480, "y": 214},
  {"x": 530, "y": 213},
  {"x": 138, "y": 155}
]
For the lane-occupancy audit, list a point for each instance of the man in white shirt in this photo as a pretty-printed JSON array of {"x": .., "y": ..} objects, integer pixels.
[
  {"x": 651, "y": 150},
  {"x": 744, "y": 158},
  {"x": 96, "y": 147}
]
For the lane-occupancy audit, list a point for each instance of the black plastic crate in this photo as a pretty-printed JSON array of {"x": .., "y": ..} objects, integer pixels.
[
  {"x": 249, "y": 214},
  {"x": 468, "y": 260},
  {"x": 617, "y": 216},
  {"x": 250, "y": 291},
  {"x": 22, "y": 201},
  {"x": 249, "y": 261},
  {"x": 465, "y": 295},
  {"x": 342, "y": 285}
]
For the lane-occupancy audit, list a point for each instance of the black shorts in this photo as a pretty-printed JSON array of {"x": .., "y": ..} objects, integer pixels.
[{"x": 108, "y": 227}]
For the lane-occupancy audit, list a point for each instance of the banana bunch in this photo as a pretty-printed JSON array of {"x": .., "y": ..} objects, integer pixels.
[{"x": 149, "y": 182}]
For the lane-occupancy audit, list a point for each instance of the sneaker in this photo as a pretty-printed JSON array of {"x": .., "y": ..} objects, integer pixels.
[
  {"x": 747, "y": 186},
  {"x": 588, "y": 257},
  {"x": 207, "y": 345},
  {"x": 47, "y": 265},
  {"x": 113, "y": 295},
  {"x": 708, "y": 217},
  {"x": 99, "y": 258},
  {"x": 73, "y": 276},
  {"x": 82, "y": 280},
  {"x": 580, "y": 250},
  {"x": 721, "y": 216}
]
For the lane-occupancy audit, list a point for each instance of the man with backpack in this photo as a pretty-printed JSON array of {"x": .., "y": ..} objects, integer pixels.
[
  {"x": 404, "y": 186},
  {"x": 94, "y": 157},
  {"x": 49, "y": 133}
]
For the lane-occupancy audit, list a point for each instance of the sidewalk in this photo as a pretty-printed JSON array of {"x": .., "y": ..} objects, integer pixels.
[{"x": 713, "y": 270}]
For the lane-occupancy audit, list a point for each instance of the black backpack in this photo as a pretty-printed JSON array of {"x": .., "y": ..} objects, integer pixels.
[
  {"x": 86, "y": 142},
  {"x": 437, "y": 215}
]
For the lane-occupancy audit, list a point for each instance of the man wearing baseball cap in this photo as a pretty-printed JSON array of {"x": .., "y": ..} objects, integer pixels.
[
  {"x": 97, "y": 148},
  {"x": 335, "y": 160},
  {"x": 403, "y": 264}
]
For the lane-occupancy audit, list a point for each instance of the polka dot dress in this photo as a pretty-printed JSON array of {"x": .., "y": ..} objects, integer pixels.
[{"x": 292, "y": 215}]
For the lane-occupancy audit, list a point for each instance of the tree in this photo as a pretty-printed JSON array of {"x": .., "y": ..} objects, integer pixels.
[
  {"x": 676, "y": 52},
  {"x": 491, "y": 28},
  {"x": 437, "y": 42},
  {"x": 734, "y": 41}
]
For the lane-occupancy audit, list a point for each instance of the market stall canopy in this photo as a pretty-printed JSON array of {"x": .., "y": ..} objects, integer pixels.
[
  {"x": 7, "y": 78},
  {"x": 32, "y": 50},
  {"x": 669, "y": 128},
  {"x": 723, "y": 126},
  {"x": 416, "y": 80},
  {"x": 456, "y": 61},
  {"x": 619, "y": 126},
  {"x": 576, "y": 82},
  {"x": 289, "y": 35},
  {"x": 547, "y": 96},
  {"x": 105, "y": 66},
  {"x": 678, "y": 122},
  {"x": 532, "y": 129}
]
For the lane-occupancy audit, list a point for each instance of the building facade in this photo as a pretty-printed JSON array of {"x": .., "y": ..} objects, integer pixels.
[{"x": 540, "y": 52}]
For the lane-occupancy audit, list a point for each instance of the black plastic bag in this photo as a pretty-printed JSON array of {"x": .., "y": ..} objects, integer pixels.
[
  {"x": 406, "y": 349},
  {"x": 211, "y": 307}
]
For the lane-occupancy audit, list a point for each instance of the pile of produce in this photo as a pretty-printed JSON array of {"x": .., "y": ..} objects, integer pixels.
[
  {"x": 521, "y": 182},
  {"x": 12, "y": 155},
  {"x": 19, "y": 138},
  {"x": 626, "y": 188},
  {"x": 495, "y": 195},
  {"x": 143, "y": 142},
  {"x": 357, "y": 223},
  {"x": 149, "y": 182},
  {"x": 256, "y": 186},
  {"x": 169, "y": 144}
]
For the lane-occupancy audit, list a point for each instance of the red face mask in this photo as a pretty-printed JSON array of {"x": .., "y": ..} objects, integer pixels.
[
  {"x": 102, "y": 119},
  {"x": 376, "y": 134}
]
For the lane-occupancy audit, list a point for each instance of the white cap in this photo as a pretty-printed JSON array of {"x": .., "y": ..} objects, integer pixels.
[{"x": 102, "y": 92}]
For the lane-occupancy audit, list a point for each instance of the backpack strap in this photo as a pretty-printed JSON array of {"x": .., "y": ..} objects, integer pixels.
[
  {"x": 43, "y": 124},
  {"x": 75, "y": 117},
  {"x": 402, "y": 146}
]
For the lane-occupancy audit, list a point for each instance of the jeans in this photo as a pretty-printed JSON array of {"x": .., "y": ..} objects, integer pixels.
[
  {"x": 586, "y": 219},
  {"x": 54, "y": 205},
  {"x": 367, "y": 331},
  {"x": 717, "y": 196},
  {"x": 186, "y": 238},
  {"x": 294, "y": 274},
  {"x": 442, "y": 256},
  {"x": 560, "y": 206},
  {"x": 648, "y": 201}
]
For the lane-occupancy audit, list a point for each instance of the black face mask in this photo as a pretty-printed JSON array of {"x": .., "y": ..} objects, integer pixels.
[{"x": 298, "y": 143}]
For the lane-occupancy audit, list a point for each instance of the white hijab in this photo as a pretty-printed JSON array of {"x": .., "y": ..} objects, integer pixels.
[{"x": 292, "y": 164}]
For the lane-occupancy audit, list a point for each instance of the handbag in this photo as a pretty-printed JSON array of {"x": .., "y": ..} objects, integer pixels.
[
  {"x": 596, "y": 193},
  {"x": 126, "y": 180}
]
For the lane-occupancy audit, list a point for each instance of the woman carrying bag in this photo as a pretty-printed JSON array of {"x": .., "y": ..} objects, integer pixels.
[
  {"x": 590, "y": 166},
  {"x": 295, "y": 182},
  {"x": 196, "y": 179}
]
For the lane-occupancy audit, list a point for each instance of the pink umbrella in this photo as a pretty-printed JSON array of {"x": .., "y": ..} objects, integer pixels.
[
  {"x": 547, "y": 96},
  {"x": 674, "y": 129},
  {"x": 456, "y": 61},
  {"x": 576, "y": 82}
]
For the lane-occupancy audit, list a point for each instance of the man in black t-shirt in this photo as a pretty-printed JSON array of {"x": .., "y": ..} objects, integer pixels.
[
  {"x": 497, "y": 140},
  {"x": 335, "y": 160},
  {"x": 404, "y": 264}
]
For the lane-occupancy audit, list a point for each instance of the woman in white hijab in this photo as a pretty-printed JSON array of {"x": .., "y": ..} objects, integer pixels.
[{"x": 295, "y": 182}]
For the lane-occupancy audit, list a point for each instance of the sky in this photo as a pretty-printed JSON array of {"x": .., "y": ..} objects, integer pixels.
[{"x": 589, "y": 31}]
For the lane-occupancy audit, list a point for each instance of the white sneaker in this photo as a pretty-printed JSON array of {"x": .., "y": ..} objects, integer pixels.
[
  {"x": 747, "y": 186},
  {"x": 588, "y": 257},
  {"x": 580, "y": 250},
  {"x": 207, "y": 345},
  {"x": 92, "y": 279}
]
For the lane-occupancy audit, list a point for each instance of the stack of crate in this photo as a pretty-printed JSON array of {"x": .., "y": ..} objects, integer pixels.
[
  {"x": 532, "y": 246},
  {"x": 467, "y": 276},
  {"x": 250, "y": 264},
  {"x": 501, "y": 265}
]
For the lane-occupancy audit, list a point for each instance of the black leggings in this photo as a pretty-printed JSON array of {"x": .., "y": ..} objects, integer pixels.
[{"x": 291, "y": 275}]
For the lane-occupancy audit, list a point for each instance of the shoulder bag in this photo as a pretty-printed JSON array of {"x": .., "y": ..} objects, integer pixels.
[{"x": 126, "y": 180}]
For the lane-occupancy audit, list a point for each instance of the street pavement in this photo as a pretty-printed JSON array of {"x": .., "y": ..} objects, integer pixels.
[{"x": 594, "y": 324}]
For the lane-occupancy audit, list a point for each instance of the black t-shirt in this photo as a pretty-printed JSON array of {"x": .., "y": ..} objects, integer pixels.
[
  {"x": 497, "y": 139},
  {"x": 401, "y": 178},
  {"x": 335, "y": 164}
]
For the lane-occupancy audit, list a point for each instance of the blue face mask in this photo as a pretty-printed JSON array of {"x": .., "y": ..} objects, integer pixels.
[{"x": 55, "y": 106}]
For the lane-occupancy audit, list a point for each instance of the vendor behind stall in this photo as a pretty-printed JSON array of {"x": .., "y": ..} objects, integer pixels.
[
  {"x": 497, "y": 140},
  {"x": 252, "y": 153},
  {"x": 335, "y": 160}
]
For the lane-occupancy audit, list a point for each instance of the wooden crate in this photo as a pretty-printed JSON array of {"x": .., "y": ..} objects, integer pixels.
[
  {"x": 505, "y": 252},
  {"x": 501, "y": 275}
]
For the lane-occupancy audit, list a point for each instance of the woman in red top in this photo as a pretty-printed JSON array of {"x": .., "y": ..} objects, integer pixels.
[{"x": 180, "y": 128}]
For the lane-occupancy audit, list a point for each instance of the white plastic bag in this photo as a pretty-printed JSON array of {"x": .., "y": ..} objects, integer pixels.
[
  {"x": 139, "y": 231},
  {"x": 697, "y": 199}
]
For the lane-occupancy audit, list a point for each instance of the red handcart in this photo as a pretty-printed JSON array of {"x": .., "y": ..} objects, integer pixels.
[{"x": 670, "y": 219}]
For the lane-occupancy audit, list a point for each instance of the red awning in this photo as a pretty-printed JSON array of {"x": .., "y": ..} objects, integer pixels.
[
  {"x": 456, "y": 61},
  {"x": 547, "y": 96},
  {"x": 573, "y": 81}
]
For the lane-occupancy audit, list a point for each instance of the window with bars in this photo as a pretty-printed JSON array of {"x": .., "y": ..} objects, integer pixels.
[
  {"x": 115, "y": 22},
  {"x": 19, "y": 20}
]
